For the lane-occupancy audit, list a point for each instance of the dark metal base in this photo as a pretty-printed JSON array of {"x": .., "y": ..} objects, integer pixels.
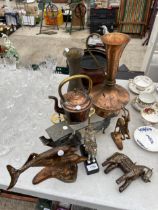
[
  {"x": 61, "y": 134},
  {"x": 91, "y": 168},
  {"x": 72, "y": 140}
]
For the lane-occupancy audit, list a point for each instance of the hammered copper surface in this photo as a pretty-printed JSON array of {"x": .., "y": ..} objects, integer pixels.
[
  {"x": 115, "y": 44},
  {"x": 109, "y": 98},
  {"x": 76, "y": 98},
  {"x": 75, "y": 104}
]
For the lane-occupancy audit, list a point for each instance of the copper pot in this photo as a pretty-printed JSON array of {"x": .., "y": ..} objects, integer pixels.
[
  {"x": 108, "y": 98},
  {"x": 93, "y": 62},
  {"x": 75, "y": 104},
  {"x": 89, "y": 67}
]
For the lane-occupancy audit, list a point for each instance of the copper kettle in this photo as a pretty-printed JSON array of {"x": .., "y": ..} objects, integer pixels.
[{"x": 75, "y": 104}]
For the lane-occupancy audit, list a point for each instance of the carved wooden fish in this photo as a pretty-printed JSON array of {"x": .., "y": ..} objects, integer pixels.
[
  {"x": 48, "y": 158},
  {"x": 65, "y": 171}
]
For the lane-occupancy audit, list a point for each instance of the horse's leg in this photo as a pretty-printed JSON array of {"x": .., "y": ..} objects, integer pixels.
[
  {"x": 123, "y": 136},
  {"x": 111, "y": 159},
  {"x": 93, "y": 158},
  {"x": 106, "y": 162},
  {"x": 121, "y": 179},
  {"x": 104, "y": 130},
  {"x": 128, "y": 134},
  {"x": 117, "y": 126},
  {"x": 122, "y": 131},
  {"x": 110, "y": 168},
  {"x": 125, "y": 185},
  {"x": 113, "y": 156},
  {"x": 89, "y": 159}
]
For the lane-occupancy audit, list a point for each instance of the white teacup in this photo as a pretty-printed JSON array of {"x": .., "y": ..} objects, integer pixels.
[
  {"x": 142, "y": 82},
  {"x": 145, "y": 99}
]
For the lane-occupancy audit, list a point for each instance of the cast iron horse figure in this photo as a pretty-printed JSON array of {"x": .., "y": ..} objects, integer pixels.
[{"x": 130, "y": 169}]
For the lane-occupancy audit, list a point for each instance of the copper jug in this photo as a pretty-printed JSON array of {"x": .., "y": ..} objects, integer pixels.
[
  {"x": 108, "y": 98},
  {"x": 74, "y": 56},
  {"x": 75, "y": 104}
]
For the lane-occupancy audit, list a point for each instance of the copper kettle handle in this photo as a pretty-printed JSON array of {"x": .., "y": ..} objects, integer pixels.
[{"x": 78, "y": 76}]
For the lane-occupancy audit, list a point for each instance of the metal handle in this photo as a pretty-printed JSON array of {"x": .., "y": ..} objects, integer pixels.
[
  {"x": 91, "y": 35},
  {"x": 93, "y": 56},
  {"x": 78, "y": 76}
]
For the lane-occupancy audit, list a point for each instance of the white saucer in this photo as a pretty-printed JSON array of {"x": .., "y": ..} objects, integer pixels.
[
  {"x": 138, "y": 106},
  {"x": 133, "y": 88},
  {"x": 150, "y": 114},
  {"x": 147, "y": 138}
]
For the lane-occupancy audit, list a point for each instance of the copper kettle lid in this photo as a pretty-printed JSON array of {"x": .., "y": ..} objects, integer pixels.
[{"x": 76, "y": 100}]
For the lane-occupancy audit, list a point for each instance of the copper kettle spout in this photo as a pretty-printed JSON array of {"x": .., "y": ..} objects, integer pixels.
[{"x": 58, "y": 109}]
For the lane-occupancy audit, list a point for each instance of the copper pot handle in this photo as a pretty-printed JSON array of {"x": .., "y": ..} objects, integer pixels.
[
  {"x": 78, "y": 76},
  {"x": 92, "y": 34},
  {"x": 93, "y": 56}
]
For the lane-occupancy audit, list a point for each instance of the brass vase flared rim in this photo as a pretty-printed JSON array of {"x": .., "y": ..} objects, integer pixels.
[{"x": 115, "y": 38}]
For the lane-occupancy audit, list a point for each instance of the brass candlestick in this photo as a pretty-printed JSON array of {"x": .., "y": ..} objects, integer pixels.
[{"x": 108, "y": 98}]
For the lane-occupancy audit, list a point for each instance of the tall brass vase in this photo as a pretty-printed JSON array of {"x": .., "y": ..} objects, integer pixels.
[{"x": 108, "y": 98}]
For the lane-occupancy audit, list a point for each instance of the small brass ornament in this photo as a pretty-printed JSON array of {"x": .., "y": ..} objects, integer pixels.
[{"x": 121, "y": 131}]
